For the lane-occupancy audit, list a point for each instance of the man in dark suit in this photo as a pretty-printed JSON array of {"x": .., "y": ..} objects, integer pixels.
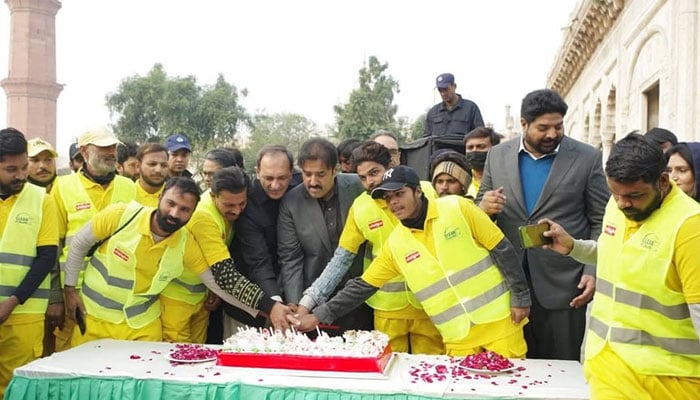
[
  {"x": 546, "y": 174},
  {"x": 254, "y": 246},
  {"x": 311, "y": 218}
]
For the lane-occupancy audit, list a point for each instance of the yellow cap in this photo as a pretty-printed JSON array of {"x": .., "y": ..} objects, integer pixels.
[
  {"x": 37, "y": 145},
  {"x": 100, "y": 136}
]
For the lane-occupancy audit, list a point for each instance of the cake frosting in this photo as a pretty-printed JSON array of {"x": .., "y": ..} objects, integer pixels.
[{"x": 351, "y": 344}]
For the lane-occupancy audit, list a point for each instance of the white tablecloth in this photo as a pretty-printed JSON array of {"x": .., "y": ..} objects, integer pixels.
[{"x": 410, "y": 374}]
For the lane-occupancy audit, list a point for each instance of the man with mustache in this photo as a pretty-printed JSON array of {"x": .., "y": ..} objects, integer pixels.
[
  {"x": 453, "y": 115},
  {"x": 546, "y": 174},
  {"x": 396, "y": 311},
  {"x": 81, "y": 195},
  {"x": 645, "y": 320},
  {"x": 254, "y": 246},
  {"x": 42, "y": 163},
  {"x": 141, "y": 250},
  {"x": 311, "y": 219},
  {"x": 28, "y": 250},
  {"x": 153, "y": 167},
  {"x": 477, "y": 144}
]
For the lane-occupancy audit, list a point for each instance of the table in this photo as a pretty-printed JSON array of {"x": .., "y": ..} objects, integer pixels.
[{"x": 113, "y": 369}]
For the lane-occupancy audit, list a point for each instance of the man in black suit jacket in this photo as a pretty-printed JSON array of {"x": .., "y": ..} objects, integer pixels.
[
  {"x": 546, "y": 174},
  {"x": 254, "y": 245}
]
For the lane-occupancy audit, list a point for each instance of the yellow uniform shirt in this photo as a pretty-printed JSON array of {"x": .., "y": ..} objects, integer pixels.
[
  {"x": 147, "y": 252},
  {"x": 208, "y": 236},
  {"x": 145, "y": 198},
  {"x": 352, "y": 238}
]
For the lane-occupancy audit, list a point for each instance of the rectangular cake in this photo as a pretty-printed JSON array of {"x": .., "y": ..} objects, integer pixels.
[{"x": 356, "y": 351}]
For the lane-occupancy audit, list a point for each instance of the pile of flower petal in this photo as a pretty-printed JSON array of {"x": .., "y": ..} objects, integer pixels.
[
  {"x": 487, "y": 360},
  {"x": 191, "y": 352}
]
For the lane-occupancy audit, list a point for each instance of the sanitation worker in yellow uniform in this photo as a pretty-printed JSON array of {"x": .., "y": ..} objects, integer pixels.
[
  {"x": 643, "y": 340},
  {"x": 81, "y": 195},
  {"x": 396, "y": 311},
  {"x": 183, "y": 314},
  {"x": 460, "y": 267},
  {"x": 28, "y": 251},
  {"x": 129, "y": 270},
  {"x": 153, "y": 167}
]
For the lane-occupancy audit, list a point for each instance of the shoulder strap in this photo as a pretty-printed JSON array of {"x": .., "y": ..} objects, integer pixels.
[{"x": 98, "y": 244}]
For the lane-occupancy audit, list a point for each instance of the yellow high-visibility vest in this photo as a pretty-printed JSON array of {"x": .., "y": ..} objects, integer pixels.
[
  {"x": 18, "y": 249},
  {"x": 108, "y": 288},
  {"x": 460, "y": 285},
  {"x": 81, "y": 209},
  {"x": 376, "y": 225},
  {"x": 643, "y": 321}
]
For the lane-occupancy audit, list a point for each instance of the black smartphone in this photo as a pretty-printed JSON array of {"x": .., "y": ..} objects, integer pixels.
[
  {"x": 80, "y": 320},
  {"x": 533, "y": 235}
]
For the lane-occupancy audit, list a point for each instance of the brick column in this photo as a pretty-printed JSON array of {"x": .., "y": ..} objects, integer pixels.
[{"x": 31, "y": 85}]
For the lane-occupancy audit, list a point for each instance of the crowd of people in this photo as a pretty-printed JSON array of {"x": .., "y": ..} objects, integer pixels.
[{"x": 129, "y": 247}]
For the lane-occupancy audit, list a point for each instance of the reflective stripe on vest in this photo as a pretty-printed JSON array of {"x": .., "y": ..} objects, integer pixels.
[
  {"x": 458, "y": 286},
  {"x": 18, "y": 249},
  {"x": 634, "y": 312},
  {"x": 108, "y": 289}
]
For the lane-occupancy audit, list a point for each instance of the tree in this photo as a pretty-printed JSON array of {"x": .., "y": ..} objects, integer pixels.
[
  {"x": 370, "y": 106},
  {"x": 290, "y": 130},
  {"x": 152, "y": 107}
]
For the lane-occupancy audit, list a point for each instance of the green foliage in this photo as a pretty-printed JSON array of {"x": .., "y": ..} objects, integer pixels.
[
  {"x": 370, "y": 106},
  {"x": 416, "y": 129},
  {"x": 289, "y": 130},
  {"x": 152, "y": 107}
]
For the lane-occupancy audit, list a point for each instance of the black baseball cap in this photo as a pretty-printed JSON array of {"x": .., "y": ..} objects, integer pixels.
[{"x": 394, "y": 179}]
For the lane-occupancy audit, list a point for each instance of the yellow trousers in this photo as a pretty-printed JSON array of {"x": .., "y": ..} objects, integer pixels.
[
  {"x": 65, "y": 335},
  {"x": 611, "y": 378},
  {"x": 183, "y": 322},
  {"x": 420, "y": 333},
  {"x": 100, "y": 329},
  {"x": 502, "y": 336},
  {"x": 21, "y": 341}
]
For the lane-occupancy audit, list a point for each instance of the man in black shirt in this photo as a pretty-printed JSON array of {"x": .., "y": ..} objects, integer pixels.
[{"x": 454, "y": 115}]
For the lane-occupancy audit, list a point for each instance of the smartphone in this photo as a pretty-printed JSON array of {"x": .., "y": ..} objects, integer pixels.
[
  {"x": 533, "y": 235},
  {"x": 80, "y": 321}
]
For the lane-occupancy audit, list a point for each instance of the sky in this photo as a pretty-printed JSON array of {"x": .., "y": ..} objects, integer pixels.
[{"x": 302, "y": 56}]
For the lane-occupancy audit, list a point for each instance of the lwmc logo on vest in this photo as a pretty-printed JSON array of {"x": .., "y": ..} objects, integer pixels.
[
  {"x": 451, "y": 232},
  {"x": 650, "y": 241},
  {"x": 23, "y": 218}
]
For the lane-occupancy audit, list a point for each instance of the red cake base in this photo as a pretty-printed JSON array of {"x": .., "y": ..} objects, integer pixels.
[{"x": 301, "y": 362}]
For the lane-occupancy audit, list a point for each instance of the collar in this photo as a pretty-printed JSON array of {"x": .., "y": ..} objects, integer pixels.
[
  {"x": 521, "y": 148},
  {"x": 443, "y": 105}
]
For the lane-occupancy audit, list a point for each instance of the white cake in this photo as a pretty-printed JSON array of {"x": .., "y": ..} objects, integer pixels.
[{"x": 356, "y": 351}]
